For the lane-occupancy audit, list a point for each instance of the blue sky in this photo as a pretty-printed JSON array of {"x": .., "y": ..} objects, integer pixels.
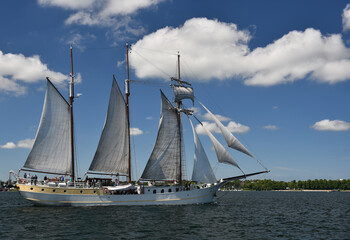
[{"x": 277, "y": 72}]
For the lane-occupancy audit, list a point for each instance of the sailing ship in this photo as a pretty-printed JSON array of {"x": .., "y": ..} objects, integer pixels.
[{"x": 161, "y": 182}]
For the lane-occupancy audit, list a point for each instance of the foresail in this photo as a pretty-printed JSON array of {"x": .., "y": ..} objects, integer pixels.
[
  {"x": 202, "y": 171},
  {"x": 165, "y": 158},
  {"x": 51, "y": 151},
  {"x": 231, "y": 140},
  {"x": 221, "y": 153},
  {"x": 182, "y": 92},
  {"x": 113, "y": 149}
]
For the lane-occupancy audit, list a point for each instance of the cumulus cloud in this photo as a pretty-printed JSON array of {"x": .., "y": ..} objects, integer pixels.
[
  {"x": 114, "y": 14},
  {"x": 17, "y": 69},
  {"x": 218, "y": 50},
  {"x": 331, "y": 125},
  {"x": 26, "y": 143},
  {"x": 135, "y": 131},
  {"x": 212, "y": 127},
  {"x": 346, "y": 18},
  {"x": 270, "y": 127},
  {"x": 8, "y": 145},
  {"x": 218, "y": 116}
]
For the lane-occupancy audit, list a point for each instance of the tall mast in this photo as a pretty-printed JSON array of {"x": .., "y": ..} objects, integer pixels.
[
  {"x": 71, "y": 100},
  {"x": 179, "y": 121},
  {"x": 127, "y": 94}
]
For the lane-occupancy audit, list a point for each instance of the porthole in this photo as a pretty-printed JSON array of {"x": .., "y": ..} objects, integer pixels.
[
  {"x": 94, "y": 191},
  {"x": 169, "y": 190},
  {"x": 42, "y": 189},
  {"x": 64, "y": 190},
  {"x": 154, "y": 191},
  {"x": 54, "y": 190},
  {"x": 162, "y": 191},
  {"x": 177, "y": 189},
  {"x": 31, "y": 188},
  {"x": 81, "y": 191}
]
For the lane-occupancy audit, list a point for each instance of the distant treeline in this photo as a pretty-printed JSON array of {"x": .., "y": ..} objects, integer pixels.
[{"x": 267, "y": 184}]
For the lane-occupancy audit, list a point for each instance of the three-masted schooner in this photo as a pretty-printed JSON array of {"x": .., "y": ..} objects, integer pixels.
[{"x": 53, "y": 153}]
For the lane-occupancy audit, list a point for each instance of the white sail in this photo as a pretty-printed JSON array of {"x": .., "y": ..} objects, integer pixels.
[
  {"x": 183, "y": 93},
  {"x": 231, "y": 140},
  {"x": 221, "y": 153},
  {"x": 202, "y": 171},
  {"x": 164, "y": 161},
  {"x": 113, "y": 148},
  {"x": 51, "y": 151}
]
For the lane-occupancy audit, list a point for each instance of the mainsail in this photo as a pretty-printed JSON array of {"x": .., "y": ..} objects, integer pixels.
[
  {"x": 51, "y": 151},
  {"x": 231, "y": 140},
  {"x": 202, "y": 171},
  {"x": 113, "y": 149},
  {"x": 165, "y": 158},
  {"x": 182, "y": 92}
]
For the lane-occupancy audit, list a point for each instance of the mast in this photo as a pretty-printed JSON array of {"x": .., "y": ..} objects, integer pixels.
[
  {"x": 179, "y": 121},
  {"x": 71, "y": 100},
  {"x": 127, "y": 94}
]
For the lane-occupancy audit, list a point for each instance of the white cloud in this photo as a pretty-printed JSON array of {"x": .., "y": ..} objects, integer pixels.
[
  {"x": 26, "y": 143},
  {"x": 17, "y": 69},
  {"x": 346, "y": 18},
  {"x": 135, "y": 131},
  {"x": 270, "y": 127},
  {"x": 68, "y": 4},
  {"x": 8, "y": 145},
  {"x": 212, "y": 127},
  {"x": 331, "y": 125},
  {"x": 77, "y": 40},
  {"x": 114, "y": 14},
  {"x": 149, "y": 118},
  {"x": 218, "y": 50},
  {"x": 237, "y": 127},
  {"x": 275, "y": 107},
  {"x": 220, "y": 117}
]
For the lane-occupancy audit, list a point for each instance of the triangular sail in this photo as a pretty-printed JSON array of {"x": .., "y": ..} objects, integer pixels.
[
  {"x": 231, "y": 140},
  {"x": 221, "y": 153},
  {"x": 182, "y": 92},
  {"x": 202, "y": 171},
  {"x": 164, "y": 161},
  {"x": 113, "y": 149},
  {"x": 51, "y": 151}
]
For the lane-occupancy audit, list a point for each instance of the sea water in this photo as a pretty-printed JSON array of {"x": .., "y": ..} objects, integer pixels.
[{"x": 235, "y": 215}]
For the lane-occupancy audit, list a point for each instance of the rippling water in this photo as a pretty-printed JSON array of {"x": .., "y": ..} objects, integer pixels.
[{"x": 235, "y": 215}]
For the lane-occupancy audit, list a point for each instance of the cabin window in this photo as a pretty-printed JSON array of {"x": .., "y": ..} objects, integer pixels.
[
  {"x": 162, "y": 191},
  {"x": 154, "y": 191},
  {"x": 54, "y": 190},
  {"x": 169, "y": 190},
  {"x": 31, "y": 188},
  {"x": 81, "y": 191},
  {"x": 177, "y": 189},
  {"x": 64, "y": 190},
  {"x": 149, "y": 190},
  {"x": 94, "y": 191},
  {"x": 42, "y": 189}
]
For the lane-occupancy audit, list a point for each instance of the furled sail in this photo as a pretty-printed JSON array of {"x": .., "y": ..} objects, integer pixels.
[
  {"x": 182, "y": 92},
  {"x": 51, "y": 151},
  {"x": 221, "y": 153},
  {"x": 231, "y": 140},
  {"x": 202, "y": 171},
  {"x": 165, "y": 158},
  {"x": 113, "y": 148}
]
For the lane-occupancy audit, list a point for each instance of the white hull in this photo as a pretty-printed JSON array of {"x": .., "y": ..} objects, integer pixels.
[{"x": 193, "y": 196}]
